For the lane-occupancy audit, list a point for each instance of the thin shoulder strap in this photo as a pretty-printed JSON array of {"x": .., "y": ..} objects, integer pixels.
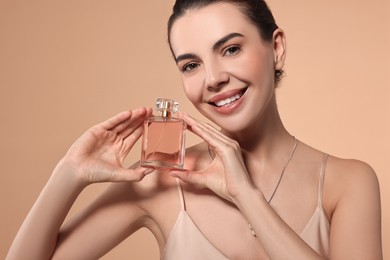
[
  {"x": 321, "y": 181},
  {"x": 181, "y": 195}
]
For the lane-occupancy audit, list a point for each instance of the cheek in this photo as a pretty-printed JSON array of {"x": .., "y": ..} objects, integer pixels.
[
  {"x": 259, "y": 72},
  {"x": 193, "y": 88},
  {"x": 257, "y": 66}
]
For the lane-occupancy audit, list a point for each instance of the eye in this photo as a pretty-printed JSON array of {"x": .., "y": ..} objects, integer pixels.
[
  {"x": 232, "y": 51},
  {"x": 189, "y": 67}
]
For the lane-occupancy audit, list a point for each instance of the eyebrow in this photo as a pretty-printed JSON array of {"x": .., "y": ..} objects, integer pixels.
[
  {"x": 225, "y": 39},
  {"x": 216, "y": 46},
  {"x": 185, "y": 57}
]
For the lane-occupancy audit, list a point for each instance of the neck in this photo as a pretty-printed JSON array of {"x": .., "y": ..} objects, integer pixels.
[
  {"x": 266, "y": 143},
  {"x": 266, "y": 137}
]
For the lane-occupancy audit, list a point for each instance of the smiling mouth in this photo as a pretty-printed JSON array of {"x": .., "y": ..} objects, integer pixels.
[{"x": 229, "y": 100}]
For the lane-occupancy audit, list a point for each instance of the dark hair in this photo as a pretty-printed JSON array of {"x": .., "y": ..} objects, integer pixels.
[{"x": 257, "y": 11}]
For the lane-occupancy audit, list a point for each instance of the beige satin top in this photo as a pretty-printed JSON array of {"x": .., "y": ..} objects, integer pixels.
[{"x": 187, "y": 242}]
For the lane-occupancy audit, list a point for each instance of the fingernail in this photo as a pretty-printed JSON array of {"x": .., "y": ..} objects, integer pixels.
[
  {"x": 181, "y": 114},
  {"x": 195, "y": 127},
  {"x": 148, "y": 170}
]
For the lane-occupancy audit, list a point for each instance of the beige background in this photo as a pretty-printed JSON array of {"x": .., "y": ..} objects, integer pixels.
[{"x": 65, "y": 65}]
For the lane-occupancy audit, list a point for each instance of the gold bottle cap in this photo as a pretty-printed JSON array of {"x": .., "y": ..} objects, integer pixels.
[{"x": 167, "y": 107}]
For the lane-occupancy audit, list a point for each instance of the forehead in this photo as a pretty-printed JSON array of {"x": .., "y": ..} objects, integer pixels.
[{"x": 207, "y": 25}]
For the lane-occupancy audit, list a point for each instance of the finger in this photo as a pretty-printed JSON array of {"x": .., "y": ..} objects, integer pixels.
[
  {"x": 115, "y": 120},
  {"x": 136, "y": 174},
  {"x": 121, "y": 120},
  {"x": 215, "y": 132},
  {"x": 192, "y": 177},
  {"x": 220, "y": 143},
  {"x": 130, "y": 128},
  {"x": 190, "y": 121},
  {"x": 215, "y": 139},
  {"x": 137, "y": 116},
  {"x": 133, "y": 126},
  {"x": 135, "y": 122},
  {"x": 227, "y": 149},
  {"x": 206, "y": 127},
  {"x": 149, "y": 111},
  {"x": 131, "y": 139}
]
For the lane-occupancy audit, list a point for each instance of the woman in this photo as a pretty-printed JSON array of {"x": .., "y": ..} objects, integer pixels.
[{"x": 249, "y": 191}]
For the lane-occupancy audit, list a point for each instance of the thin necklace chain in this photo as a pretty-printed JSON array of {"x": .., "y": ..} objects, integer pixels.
[
  {"x": 280, "y": 179},
  {"x": 284, "y": 168}
]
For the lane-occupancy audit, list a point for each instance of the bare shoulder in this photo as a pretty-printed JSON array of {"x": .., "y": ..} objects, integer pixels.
[
  {"x": 349, "y": 182},
  {"x": 350, "y": 174},
  {"x": 351, "y": 198}
]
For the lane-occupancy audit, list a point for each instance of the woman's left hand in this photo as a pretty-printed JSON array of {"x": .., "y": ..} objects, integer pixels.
[{"x": 227, "y": 174}]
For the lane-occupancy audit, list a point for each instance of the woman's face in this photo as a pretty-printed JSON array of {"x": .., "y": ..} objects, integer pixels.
[{"x": 226, "y": 67}]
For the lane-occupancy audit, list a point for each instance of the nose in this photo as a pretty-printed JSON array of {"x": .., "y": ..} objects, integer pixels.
[{"x": 216, "y": 77}]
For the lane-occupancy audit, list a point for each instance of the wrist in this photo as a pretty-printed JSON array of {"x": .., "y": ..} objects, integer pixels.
[
  {"x": 68, "y": 174},
  {"x": 246, "y": 195}
]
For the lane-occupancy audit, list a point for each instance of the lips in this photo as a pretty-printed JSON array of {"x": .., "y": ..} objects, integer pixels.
[
  {"x": 227, "y": 102},
  {"x": 227, "y": 97}
]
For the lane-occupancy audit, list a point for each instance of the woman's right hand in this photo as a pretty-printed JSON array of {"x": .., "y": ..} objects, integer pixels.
[{"x": 98, "y": 155}]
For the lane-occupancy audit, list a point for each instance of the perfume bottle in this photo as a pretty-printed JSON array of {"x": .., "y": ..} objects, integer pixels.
[{"x": 163, "y": 142}]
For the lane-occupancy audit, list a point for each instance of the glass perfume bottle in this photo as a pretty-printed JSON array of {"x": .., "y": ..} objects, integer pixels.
[{"x": 163, "y": 143}]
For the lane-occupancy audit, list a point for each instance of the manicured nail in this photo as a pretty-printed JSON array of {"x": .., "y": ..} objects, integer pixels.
[{"x": 148, "y": 171}]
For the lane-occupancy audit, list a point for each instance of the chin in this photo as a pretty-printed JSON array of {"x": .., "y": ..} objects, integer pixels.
[{"x": 228, "y": 124}]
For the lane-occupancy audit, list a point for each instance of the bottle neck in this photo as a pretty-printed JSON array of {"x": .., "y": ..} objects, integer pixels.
[{"x": 166, "y": 114}]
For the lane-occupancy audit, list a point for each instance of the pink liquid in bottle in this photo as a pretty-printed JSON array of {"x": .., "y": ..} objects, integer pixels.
[{"x": 163, "y": 143}]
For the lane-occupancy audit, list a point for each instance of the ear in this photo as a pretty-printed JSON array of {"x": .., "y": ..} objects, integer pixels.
[{"x": 279, "y": 47}]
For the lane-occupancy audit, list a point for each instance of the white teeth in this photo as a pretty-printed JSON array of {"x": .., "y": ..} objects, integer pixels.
[{"x": 227, "y": 101}]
